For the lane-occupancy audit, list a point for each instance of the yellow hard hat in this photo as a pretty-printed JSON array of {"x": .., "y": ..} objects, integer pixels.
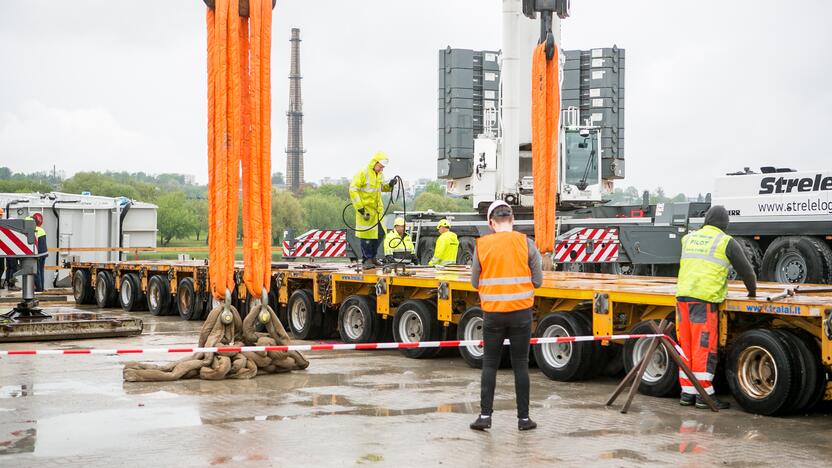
[
  {"x": 381, "y": 157},
  {"x": 398, "y": 222},
  {"x": 443, "y": 223}
]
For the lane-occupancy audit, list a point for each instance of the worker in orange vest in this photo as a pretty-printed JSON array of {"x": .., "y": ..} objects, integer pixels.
[{"x": 506, "y": 268}]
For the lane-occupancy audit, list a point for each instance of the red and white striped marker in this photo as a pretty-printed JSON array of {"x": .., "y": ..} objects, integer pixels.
[{"x": 315, "y": 347}]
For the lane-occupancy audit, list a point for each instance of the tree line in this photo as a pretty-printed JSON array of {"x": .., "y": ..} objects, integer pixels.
[{"x": 183, "y": 203}]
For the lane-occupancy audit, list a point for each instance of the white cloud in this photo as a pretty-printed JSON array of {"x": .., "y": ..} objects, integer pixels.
[{"x": 36, "y": 136}]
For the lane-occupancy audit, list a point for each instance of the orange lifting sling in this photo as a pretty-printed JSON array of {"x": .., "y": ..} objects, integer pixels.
[
  {"x": 545, "y": 127},
  {"x": 239, "y": 133}
]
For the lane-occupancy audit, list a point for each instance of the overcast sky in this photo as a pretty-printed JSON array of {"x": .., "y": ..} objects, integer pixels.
[{"x": 120, "y": 85}]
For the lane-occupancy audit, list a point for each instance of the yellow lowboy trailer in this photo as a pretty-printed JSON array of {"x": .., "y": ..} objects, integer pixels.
[{"x": 775, "y": 349}]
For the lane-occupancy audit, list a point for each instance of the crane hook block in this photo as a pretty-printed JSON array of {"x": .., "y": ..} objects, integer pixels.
[{"x": 243, "y": 6}]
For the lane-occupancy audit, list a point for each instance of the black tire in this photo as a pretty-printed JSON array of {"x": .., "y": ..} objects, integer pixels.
[
  {"x": 130, "y": 294},
  {"x": 81, "y": 287},
  {"x": 415, "y": 321},
  {"x": 358, "y": 321},
  {"x": 465, "y": 254},
  {"x": 425, "y": 250},
  {"x": 304, "y": 316},
  {"x": 797, "y": 259},
  {"x": 810, "y": 379},
  {"x": 599, "y": 355},
  {"x": 158, "y": 295},
  {"x": 614, "y": 360},
  {"x": 761, "y": 393},
  {"x": 105, "y": 290},
  {"x": 661, "y": 379},
  {"x": 470, "y": 328},
  {"x": 188, "y": 304},
  {"x": 564, "y": 361},
  {"x": 753, "y": 253}
]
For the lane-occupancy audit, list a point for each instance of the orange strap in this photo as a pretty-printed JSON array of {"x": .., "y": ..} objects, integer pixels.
[
  {"x": 239, "y": 132},
  {"x": 545, "y": 128}
]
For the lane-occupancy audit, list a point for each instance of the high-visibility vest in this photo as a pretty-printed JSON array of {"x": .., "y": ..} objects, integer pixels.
[
  {"x": 505, "y": 283},
  {"x": 365, "y": 192},
  {"x": 393, "y": 243},
  {"x": 703, "y": 272},
  {"x": 447, "y": 246}
]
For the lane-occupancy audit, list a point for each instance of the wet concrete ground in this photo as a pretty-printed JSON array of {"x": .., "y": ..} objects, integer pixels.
[{"x": 357, "y": 408}]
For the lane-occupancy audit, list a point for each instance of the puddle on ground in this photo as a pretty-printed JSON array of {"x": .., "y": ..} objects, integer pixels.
[{"x": 80, "y": 433}]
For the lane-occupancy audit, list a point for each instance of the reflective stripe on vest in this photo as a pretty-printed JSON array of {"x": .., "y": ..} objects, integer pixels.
[
  {"x": 505, "y": 282},
  {"x": 703, "y": 270}
]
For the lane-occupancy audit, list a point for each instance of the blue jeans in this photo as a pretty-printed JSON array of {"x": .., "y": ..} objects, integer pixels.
[{"x": 369, "y": 248}]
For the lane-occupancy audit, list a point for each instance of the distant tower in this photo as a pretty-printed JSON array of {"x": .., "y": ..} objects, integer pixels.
[{"x": 294, "y": 142}]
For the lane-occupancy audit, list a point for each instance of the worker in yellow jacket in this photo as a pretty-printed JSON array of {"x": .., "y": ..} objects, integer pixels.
[
  {"x": 365, "y": 195},
  {"x": 397, "y": 243},
  {"x": 447, "y": 245}
]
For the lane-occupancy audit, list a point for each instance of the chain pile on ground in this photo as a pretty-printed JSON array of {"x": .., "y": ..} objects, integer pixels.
[{"x": 224, "y": 328}]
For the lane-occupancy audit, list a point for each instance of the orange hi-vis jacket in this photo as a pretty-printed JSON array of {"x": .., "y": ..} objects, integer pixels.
[{"x": 505, "y": 283}]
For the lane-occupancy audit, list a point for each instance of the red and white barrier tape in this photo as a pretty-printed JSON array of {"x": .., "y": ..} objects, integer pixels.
[{"x": 316, "y": 347}]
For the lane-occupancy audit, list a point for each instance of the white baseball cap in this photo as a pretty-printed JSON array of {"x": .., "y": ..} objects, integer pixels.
[{"x": 495, "y": 205}]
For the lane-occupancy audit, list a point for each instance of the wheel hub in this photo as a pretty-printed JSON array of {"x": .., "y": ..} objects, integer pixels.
[
  {"x": 354, "y": 322},
  {"x": 126, "y": 292},
  {"x": 657, "y": 367},
  {"x": 299, "y": 315},
  {"x": 473, "y": 331},
  {"x": 791, "y": 268},
  {"x": 556, "y": 355},
  {"x": 411, "y": 328},
  {"x": 756, "y": 372}
]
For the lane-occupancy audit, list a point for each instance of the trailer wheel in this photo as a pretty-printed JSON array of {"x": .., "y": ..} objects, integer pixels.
[
  {"x": 158, "y": 295},
  {"x": 414, "y": 322},
  {"x": 303, "y": 315},
  {"x": 564, "y": 361},
  {"x": 465, "y": 255},
  {"x": 811, "y": 377},
  {"x": 470, "y": 328},
  {"x": 130, "y": 294},
  {"x": 752, "y": 252},
  {"x": 426, "y": 247},
  {"x": 661, "y": 378},
  {"x": 797, "y": 259},
  {"x": 625, "y": 269},
  {"x": 187, "y": 302},
  {"x": 81, "y": 288},
  {"x": 357, "y": 320},
  {"x": 760, "y": 370},
  {"x": 105, "y": 290}
]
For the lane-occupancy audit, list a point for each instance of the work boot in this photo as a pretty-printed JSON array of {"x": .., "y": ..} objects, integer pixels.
[
  {"x": 687, "y": 399},
  {"x": 700, "y": 403},
  {"x": 369, "y": 263},
  {"x": 377, "y": 262},
  {"x": 482, "y": 423},
  {"x": 526, "y": 424}
]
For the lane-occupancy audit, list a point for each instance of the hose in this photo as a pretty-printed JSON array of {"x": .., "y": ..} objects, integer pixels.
[{"x": 397, "y": 192}]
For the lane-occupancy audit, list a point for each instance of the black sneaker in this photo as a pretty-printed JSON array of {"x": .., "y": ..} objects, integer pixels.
[
  {"x": 687, "y": 399},
  {"x": 481, "y": 423},
  {"x": 526, "y": 424},
  {"x": 700, "y": 403}
]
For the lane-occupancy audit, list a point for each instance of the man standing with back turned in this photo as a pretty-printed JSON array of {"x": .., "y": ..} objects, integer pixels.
[
  {"x": 505, "y": 270},
  {"x": 701, "y": 288}
]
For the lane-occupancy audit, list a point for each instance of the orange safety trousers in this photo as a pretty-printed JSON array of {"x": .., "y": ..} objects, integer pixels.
[{"x": 696, "y": 331}]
